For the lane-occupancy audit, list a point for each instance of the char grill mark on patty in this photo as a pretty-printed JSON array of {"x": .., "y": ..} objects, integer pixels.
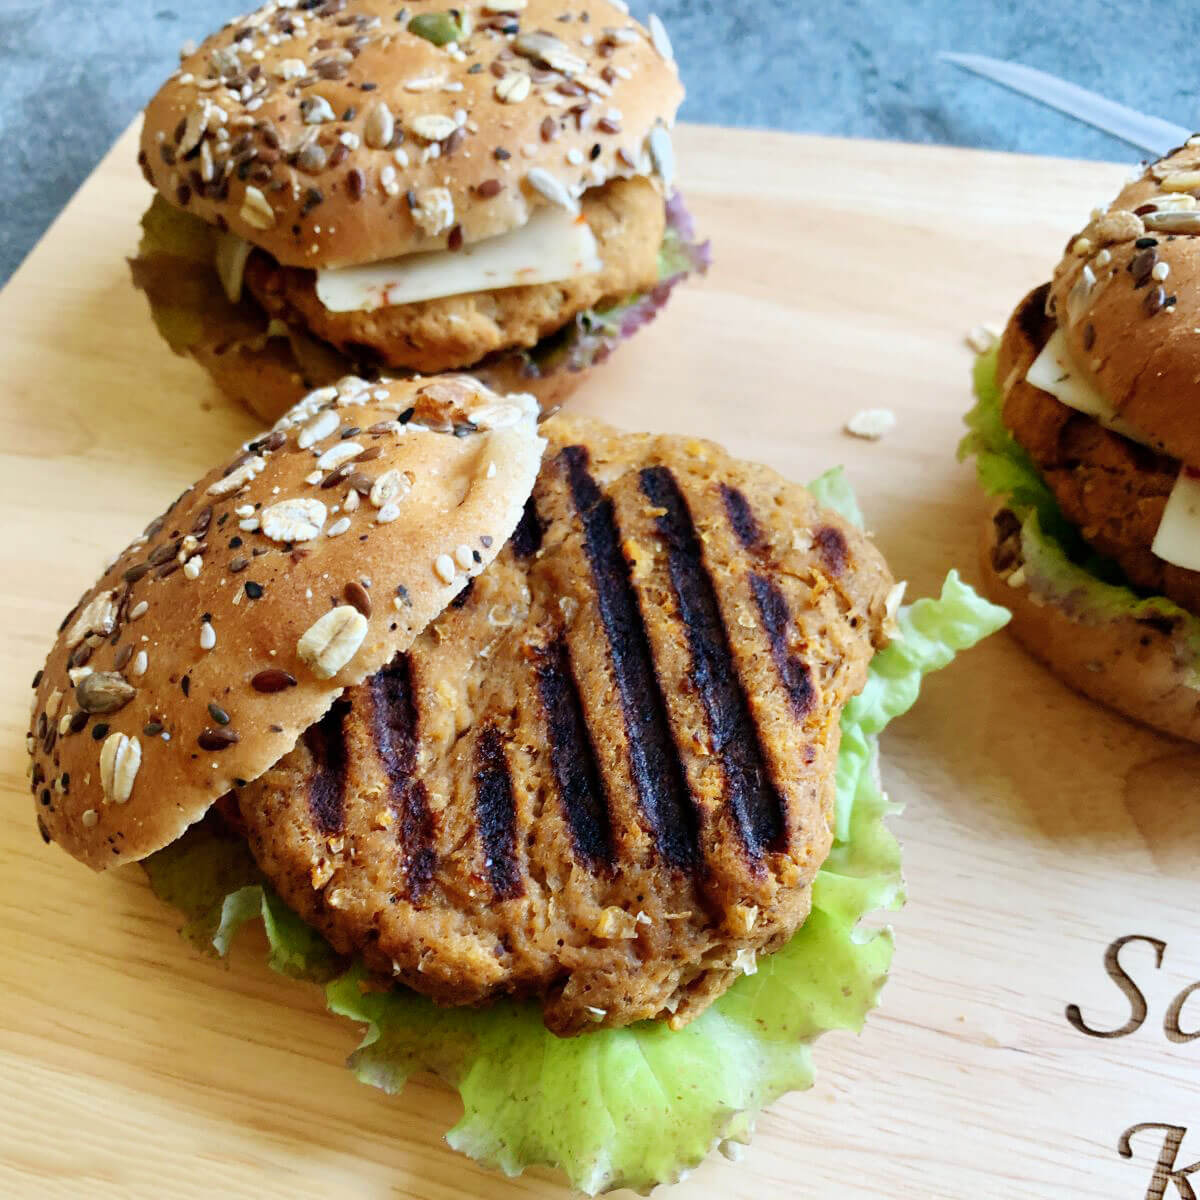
[
  {"x": 831, "y": 545},
  {"x": 395, "y": 724},
  {"x": 573, "y": 758},
  {"x": 326, "y": 742},
  {"x": 496, "y": 813},
  {"x": 793, "y": 671},
  {"x": 773, "y": 610},
  {"x": 654, "y": 761},
  {"x": 590, "y": 831},
  {"x": 751, "y": 795},
  {"x": 527, "y": 537},
  {"x": 741, "y": 517}
]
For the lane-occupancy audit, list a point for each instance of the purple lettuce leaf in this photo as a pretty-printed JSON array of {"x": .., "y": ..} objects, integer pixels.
[{"x": 595, "y": 333}]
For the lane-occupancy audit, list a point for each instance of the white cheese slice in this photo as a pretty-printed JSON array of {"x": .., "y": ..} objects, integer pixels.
[
  {"x": 553, "y": 245},
  {"x": 1054, "y": 371},
  {"x": 232, "y": 253},
  {"x": 1178, "y": 538}
]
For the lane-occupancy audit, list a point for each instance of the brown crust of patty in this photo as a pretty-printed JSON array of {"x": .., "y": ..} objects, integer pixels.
[
  {"x": 269, "y": 375},
  {"x": 1135, "y": 667},
  {"x": 627, "y": 217},
  {"x": 1112, "y": 489},
  {"x": 634, "y": 711}
]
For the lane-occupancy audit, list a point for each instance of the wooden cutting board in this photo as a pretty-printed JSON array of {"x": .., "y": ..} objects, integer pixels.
[{"x": 1038, "y": 830}]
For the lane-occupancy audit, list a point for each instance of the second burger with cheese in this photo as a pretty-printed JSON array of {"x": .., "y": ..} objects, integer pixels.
[
  {"x": 358, "y": 186},
  {"x": 1085, "y": 433}
]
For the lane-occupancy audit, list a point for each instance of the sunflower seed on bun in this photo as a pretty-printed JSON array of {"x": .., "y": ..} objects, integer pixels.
[{"x": 295, "y": 570}]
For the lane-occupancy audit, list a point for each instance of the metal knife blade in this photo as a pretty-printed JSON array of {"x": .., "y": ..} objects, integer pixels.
[{"x": 1138, "y": 129}]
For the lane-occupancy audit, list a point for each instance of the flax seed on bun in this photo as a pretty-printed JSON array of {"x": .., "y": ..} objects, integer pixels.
[
  {"x": 349, "y": 133},
  {"x": 231, "y": 625}
]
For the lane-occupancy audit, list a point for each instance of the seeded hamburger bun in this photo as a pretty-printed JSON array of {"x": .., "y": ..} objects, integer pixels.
[
  {"x": 1125, "y": 295},
  {"x": 265, "y": 377},
  {"x": 551, "y": 391},
  {"x": 1135, "y": 667},
  {"x": 232, "y": 624},
  {"x": 523, "y": 110},
  {"x": 269, "y": 377}
]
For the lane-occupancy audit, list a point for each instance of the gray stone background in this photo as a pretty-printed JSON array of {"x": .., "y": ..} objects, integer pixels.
[{"x": 73, "y": 73}]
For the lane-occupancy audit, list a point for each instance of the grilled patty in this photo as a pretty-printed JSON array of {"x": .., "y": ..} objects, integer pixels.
[
  {"x": 1113, "y": 489},
  {"x": 627, "y": 217},
  {"x": 605, "y": 777}
]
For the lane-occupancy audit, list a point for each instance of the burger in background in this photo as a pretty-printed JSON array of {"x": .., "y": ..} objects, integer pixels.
[
  {"x": 357, "y": 187},
  {"x": 1085, "y": 434}
]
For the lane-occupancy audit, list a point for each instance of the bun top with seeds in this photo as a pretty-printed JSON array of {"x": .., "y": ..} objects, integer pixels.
[
  {"x": 230, "y": 626},
  {"x": 1124, "y": 303},
  {"x": 352, "y": 131}
]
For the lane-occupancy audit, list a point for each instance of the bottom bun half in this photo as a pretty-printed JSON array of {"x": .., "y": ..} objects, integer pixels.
[
  {"x": 269, "y": 375},
  {"x": 1133, "y": 666}
]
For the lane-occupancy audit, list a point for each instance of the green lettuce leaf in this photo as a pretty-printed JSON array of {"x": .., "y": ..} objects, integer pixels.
[
  {"x": 210, "y": 875},
  {"x": 833, "y": 490},
  {"x": 637, "y": 1106},
  {"x": 1005, "y": 470},
  {"x": 1060, "y": 568}
]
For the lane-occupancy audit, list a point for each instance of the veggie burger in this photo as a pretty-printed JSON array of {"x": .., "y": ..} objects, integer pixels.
[
  {"x": 1084, "y": 435},
  {"x": 358, "y": 186},
  {"x": 533, "y": 743}
]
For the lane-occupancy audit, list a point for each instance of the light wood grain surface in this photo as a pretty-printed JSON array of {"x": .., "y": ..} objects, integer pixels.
[{"x": 1038, "y": 828}]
